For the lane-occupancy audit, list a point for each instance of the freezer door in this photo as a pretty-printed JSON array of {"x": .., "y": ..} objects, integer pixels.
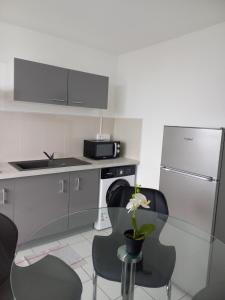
[
  {"x": 195, "y": 150},
  {"x": 189, "y": 198}
]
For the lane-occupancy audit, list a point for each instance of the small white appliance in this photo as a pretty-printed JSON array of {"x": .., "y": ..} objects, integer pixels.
[{"x": 111, "y": 179}]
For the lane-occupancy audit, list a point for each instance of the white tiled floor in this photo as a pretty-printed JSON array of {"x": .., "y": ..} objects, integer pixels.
[
  {"x": 108, "y": 286},
  {"x": 160, "y": 293},
  {"x": 76, "y": 251},
  {"x": 186, "y": 297},
  {"x": 139, "y": 294},
  {"x": 72, "y": 239},
  {"x": 88, "y": 267},
  {"x": 45, "y": 248},
  {"x": 87, "y": 292},
  {"x": 83, "y": 248},
  {"x": 84, "y": 277}
]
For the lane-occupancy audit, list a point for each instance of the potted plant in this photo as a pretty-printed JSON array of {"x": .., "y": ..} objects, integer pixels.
[{"x": 134, "y": 237}]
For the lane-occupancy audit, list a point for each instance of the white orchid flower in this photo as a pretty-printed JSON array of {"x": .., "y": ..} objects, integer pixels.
[
  {"x": 145, "y": 203},
  {"x": 132, "y": 204},
  {"x": 138, "y": 200}
]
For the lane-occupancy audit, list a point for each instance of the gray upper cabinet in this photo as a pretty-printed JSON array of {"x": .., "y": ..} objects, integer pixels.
[
  {"x": 7, "y": 197},
  {"x": 41, "y": 200},
  {"x": 36, "y": 82},
  {"x": 87, "y": 90}
]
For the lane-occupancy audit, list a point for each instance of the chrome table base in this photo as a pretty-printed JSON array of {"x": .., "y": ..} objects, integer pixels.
[{"x": 128, "y": 272}]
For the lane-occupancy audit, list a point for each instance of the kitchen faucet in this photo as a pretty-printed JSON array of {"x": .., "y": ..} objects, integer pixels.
[{"x": 51, "y": 157}]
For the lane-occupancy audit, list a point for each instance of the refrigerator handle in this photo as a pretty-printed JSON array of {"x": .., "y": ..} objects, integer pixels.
[{"x": 202, "y": 177}]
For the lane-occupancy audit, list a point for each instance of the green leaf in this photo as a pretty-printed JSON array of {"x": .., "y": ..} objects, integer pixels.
[
  {"x": 146, "y": 229},
  {"x": 138, "y": 238}
]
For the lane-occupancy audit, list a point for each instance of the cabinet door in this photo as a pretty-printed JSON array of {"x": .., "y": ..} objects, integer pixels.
[
  {"x": 7, "y": 196},
  {"x": 84, "y": 195},
  {"x": 36, "y": 82},
  {"x": 41, "y": 200},
  {"x": 87, "y": 90}
]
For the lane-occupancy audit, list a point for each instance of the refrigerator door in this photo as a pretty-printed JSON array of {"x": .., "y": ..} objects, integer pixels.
[
  {"x": 195, "y": 150},
  {"x": 189, "y": 198}
]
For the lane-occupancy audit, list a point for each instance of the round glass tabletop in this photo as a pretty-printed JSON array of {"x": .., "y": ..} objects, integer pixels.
[{"x": 178, "y": 261}]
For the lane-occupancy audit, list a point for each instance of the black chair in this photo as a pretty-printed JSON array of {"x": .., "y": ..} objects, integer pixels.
[
  {"x": 8, "y": 241},
  {"x": 50, "y": 278},
  {"x": 158, "y": 262}
]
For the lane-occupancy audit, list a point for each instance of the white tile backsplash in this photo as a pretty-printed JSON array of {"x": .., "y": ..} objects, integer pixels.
[{"x": 25, "y": 136}]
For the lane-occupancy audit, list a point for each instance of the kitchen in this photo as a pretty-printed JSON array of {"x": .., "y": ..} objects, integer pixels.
[{"x": 176, "y": 81}]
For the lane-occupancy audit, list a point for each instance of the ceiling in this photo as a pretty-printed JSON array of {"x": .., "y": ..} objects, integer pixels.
[{"x": 115, "y": 26}]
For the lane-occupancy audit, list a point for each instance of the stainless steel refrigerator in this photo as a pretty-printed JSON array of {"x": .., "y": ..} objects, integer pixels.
[{"x": 192, "y": 178}]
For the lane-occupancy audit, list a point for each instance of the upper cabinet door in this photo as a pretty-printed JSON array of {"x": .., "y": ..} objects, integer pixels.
[
  {"x": 36, "y": 82},
  {"x": 87, "y": 90}
]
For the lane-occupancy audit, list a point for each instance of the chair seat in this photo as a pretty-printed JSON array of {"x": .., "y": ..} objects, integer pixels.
[
  {"x": 50, "y": 278},
  {"x": 154, "y": 271}
]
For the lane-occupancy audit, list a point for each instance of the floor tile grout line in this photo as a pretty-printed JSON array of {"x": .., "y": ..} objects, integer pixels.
[
  {"x": 151, "y": 297},
  {"x": 98, "y": 287},
  {"x": 186, "y": 295},
  {"x": 86, "y": 272},
  {"x": 87, "y": 240},
  {"x": 173, "y": 285},
  {"x": 85, "y": 281},
  {"x": 144, "y": 288},
  {"x": 63, "y": 241}
]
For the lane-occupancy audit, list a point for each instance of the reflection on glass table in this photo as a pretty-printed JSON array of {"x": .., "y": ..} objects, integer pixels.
[{"x": 199, "y": 258}]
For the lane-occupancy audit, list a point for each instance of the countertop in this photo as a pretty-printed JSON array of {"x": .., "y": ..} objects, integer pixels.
[{"x": 7, "y": 171}]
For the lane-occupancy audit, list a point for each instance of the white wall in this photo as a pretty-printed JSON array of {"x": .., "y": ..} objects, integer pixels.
[
  {"x": 179, "y": 82},
  {"x": 32, "y": 45}
]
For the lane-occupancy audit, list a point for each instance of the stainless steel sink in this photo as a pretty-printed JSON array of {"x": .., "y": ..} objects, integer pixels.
[{"x": 47, "y": 163}]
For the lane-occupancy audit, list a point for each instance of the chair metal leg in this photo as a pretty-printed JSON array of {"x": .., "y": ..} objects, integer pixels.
[
  {"x": 169, "y": 290},
  {"x": 94, "y": 281}
]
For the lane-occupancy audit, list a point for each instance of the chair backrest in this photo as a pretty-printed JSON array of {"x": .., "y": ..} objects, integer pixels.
[
  {"x": 122, "y": 195},
  {"x": 8, "y": 242}
]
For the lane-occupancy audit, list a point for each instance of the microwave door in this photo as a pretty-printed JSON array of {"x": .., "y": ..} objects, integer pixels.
[{"x": 104, "y": 150}]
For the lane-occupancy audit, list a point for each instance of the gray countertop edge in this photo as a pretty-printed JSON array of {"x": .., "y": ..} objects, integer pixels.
[{"x": 9, "y": 172}]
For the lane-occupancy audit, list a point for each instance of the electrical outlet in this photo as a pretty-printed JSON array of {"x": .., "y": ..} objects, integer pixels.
[{"x": 103, "y": 136}]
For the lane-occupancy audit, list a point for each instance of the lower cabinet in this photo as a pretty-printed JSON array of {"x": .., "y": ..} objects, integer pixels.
[
  {"x": 84, "y": 195},
  {"x": 7, "y": 197},
  {"x": 35, "y": 202},
  {"x": 39, "y": 201}
]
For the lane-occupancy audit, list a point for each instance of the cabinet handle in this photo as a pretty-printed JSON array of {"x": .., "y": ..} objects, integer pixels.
[
  {"x": 62, "y": 186},
  {"x": 57, "y": 100},
  {"x": 77, "y": 184},
  {"x": 4, "y": 196},
  {"x": 77, "y": 102}
]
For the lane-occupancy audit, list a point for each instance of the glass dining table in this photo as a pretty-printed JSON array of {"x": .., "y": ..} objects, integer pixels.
[{"x": 177, "y": 261}]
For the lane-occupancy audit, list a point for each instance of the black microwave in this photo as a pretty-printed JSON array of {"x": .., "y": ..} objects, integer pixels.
[{"x": 100, "y": 149}]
